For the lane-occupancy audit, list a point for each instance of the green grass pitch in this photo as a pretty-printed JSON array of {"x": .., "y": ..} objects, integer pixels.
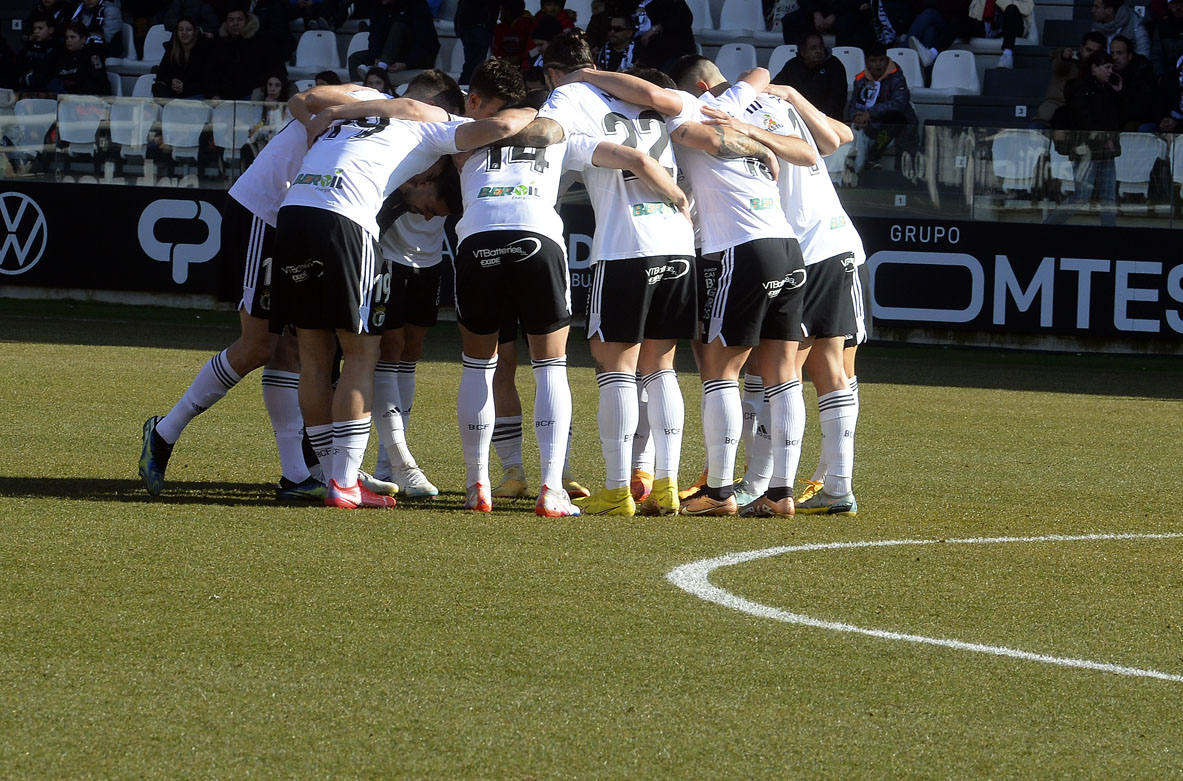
[{"x": 213, "y": 633}]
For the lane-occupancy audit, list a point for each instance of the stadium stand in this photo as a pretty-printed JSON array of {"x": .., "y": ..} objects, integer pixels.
[
  {"x": 1140, "y": 152},
  {"x": 79, "y": 118},
  {"x": 781, "y": 55},
  {"x": 182, "y": 123},
  {"x": 1017, "y": 157},
  {"x": 734, "y": 59},
  {"x": 852, "y": 60},
  {"x": 131, "y": 119},
  {"x": 909, "y": 62},
  {"x": 316, "y": 51}
]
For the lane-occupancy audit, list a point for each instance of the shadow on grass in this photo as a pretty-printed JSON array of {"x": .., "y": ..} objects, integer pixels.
[{"x": 205, "y": 493}]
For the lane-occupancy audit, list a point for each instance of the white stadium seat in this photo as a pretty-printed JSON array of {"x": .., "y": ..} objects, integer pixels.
[
  {"x": 781, "y": 55},
  {"x": 852, "y": 60},
  {"x": 1139, "y": 153},
  {"x": 734, "y": 59},
  {"x": 909, "y": 62},
  {"x": 1016, "y": 155}
]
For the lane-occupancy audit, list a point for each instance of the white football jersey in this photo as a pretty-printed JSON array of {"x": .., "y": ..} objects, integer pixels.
[
  {"x": 264, "y": 183},
  {"x": 515, "y": 188},
  {"x": 414, "y": 240},
  {"x": 631, "y": 221},
  {"x": 810, "y": 202},
  {"x": 353, "y": 167},
  {"x": 736, "y": 199}
]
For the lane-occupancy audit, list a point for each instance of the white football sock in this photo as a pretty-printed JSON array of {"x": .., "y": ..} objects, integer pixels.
[
  {"x": 836, "y": 418},
  {"x": 667, "y": 417},
  {"x": 507, "y": 440},
  {"x": 552, "y": 417},
  {"x": 281, "y": 397},
  {"x": 389, "y": 420},
  {"x": 722, "y": 422},
  {"x": 350, "y": 438},
  {"x": 475, "y": 414},
  {"x": 752, "y": 400},
  {"x": 643, "y": 436},
  {"x": 786, "y": 426},
  {"x": 210, "y": 385},
  {"x": 618, "y": 421},
  {"x": 406, "y": 390},
  {"x": 321, "y": 439},
  {"x": 759, "y": 455}
]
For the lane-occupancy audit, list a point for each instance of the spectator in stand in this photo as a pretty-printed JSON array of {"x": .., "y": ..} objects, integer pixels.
[
  {"x": 1093, "y": 141},
  {"x": 184, "y": 70},
  {"x": 200, "y": 12},
  {"x": 379, "y": 79},
  {"x": 402, "y": 40},
  {"x": 849, "y": 21},
  {"x": 57, "y": 11},
  {"x": 818, "y": 75},
  {"x": 141, "y": 15},
  {"x": 327, "y": 77},
  {"x": 601, "y": 18},
  {"x": 1114, "y": 17},
  {"x": 890, "y": 20},
  {"x": 1169, "y": 101},
  {"x": 474, "y": 24},
  {"x": 1166, "y": 39},
  {"x": 1066, "y": 67},
  {"x": 663, "y": 32},
  {"x": 40, "y": 55},
  {"x": 81, "y": 70},
  {"x": 1137, "y": 93},
  {"x": 313, "y": 13},
  {"x": 104, "y": 24},
  {"x": 275, "y": 88},
  {"x": 880, "y": 110},
  {"x": 1007, "y": 19},
  {"x": 554, "y": 9},
  {"x": 618, "y": 54},
  {"x": 275, "y": 24},
  {"x": 241, "y": 59},
  {"x": 546, "y": 28},
  {"x": 511, "y": 36}
]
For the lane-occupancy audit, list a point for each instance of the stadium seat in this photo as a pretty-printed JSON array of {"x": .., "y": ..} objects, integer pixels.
[
  {"x": 1016, "y": 155},
  {"x": 316, "y": 51},
  {"x": 701, "y": 9},
  {"x": 1061, "y": 170},
  {"x": 79, "y": 118},
  {"x": 1177, "y": 161},
  {"x": 32, "y": 119},
  {"x": 116, "y": 84},
  {"x": 734, "y": 59},
  {"x": 303, "y": 84},
  {"x": 358, "y": 43},
  {"x": 780, "y": 55},
  {"x": 455, "y": 60},
  {"x": 741, "y": 16},
  {"x": 1139, "y": 153},
  {"x": 583, "y": 12},
  {"x": 233, "y": 121},
  {"x": 909, "y": 62},
  {"x": 154, "y": 42},
  {"x": 143, "y": 86},
  {"x": 131, "y": 119},
  {"x": 836, "y": 163},
  {"x": 128, "y": 52},
  {"x": 182, "y": 122},
  {"x": 955, "y": 72},
  {"x": 852, "y": 60}
]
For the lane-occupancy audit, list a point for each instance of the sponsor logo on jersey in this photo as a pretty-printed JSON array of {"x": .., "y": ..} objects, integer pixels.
[
  {"x": 770, "y": 123},
  {"x": 25, "y": 233},
  {"x": 837, "y": 222},
  {"x": 305, "y": 271},
  {"x": 652, "y": 207},
  {"x": 759, "y": 204},
  {"x": 791, "y": 281},
  {"x": 160, "y": 218},
  {"x": 335, "y": 180},
  {"x": 522, "y": 249},
  {"x": 508, "y": 190},
  {"x": 675, "y": 268}
]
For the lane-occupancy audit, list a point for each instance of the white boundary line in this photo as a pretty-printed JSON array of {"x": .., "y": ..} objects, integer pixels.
[{"x": 694, "y": 578}]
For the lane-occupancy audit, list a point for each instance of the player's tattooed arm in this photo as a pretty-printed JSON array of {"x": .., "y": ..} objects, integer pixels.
[
  {"x": 539, "y": 133},
  {"x": 791, "y": 149},
  {"x": 630, "y": 88},
  {"x": 724, "y": 142}
]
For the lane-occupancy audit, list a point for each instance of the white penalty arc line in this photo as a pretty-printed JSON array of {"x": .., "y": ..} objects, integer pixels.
[{"x": 694, "y": 578}]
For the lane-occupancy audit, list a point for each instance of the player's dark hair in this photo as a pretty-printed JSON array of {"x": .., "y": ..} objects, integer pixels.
[
  {"x": 684, "y": 65},
  {"x": 437, "y": 88},
  {"x": 653, "y": 76},
  {"x": 328, "y": 77},
  {"x": 498, "y": 78},
  {"x": 569, "y": 51},
  {"x": 534, "y": 99}
]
